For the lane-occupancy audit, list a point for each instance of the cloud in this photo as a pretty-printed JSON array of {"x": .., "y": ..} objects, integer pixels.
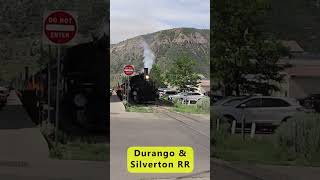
[{"x": 130, "y": 18}]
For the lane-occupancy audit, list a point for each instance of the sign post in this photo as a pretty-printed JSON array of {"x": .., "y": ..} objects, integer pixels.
[
  {"x": 59, "y": 28},
  {"x": 49, "y": 85},
  {"x": 128, "y": 70}
]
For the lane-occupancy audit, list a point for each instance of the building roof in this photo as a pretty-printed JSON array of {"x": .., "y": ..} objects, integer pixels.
[
  {"x": 304, "y": 71},
  {"x": 204, "y": 82}
]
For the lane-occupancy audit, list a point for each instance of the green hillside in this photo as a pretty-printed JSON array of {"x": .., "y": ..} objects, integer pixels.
[{"x": 166, "y": 45}]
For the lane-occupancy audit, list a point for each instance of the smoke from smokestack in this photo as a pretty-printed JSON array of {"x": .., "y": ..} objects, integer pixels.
[{"x": 148, "y": 56}]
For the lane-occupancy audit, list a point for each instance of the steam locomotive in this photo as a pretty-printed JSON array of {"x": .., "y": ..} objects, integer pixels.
[
  {"x": 83, "y": 85},
  {"x": 141, "y": 89}
]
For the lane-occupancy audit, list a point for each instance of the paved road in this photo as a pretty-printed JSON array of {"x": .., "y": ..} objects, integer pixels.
[
  {"x": 224, "y": 173},
  {"x": 148, "y": 129},
  {"x": 24, "y": 154}
]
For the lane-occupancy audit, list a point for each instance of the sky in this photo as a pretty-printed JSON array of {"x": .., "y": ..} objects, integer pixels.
[{"x": 130, "y": 18}]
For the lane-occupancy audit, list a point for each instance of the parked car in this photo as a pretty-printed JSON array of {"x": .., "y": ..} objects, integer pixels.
[
  {"x": 179, "y": 96},
  {"x": 3, "y": 98},
  {"x": 265, "y": 111},
  {"x": 5, "y": 91},
  {"x": 193, "y": 97},
  {"x": 215, "y": 98},
  {"x": 160, "y": 91},
  {"x": 167, "y": 92},
  {"x": 312, "y": 101}
]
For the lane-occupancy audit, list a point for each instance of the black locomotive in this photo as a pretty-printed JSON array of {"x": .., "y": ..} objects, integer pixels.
[
  {"x": 141, "y": 89},
  {"x": 83, "y": 101}
]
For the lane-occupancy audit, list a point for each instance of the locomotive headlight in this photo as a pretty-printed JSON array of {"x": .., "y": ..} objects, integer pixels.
[
  {"x": 80, "y": 100},
  {"x": 147, "y": 77}
]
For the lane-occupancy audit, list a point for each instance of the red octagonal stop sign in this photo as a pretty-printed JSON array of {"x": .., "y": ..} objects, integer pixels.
[
  {"x": 128, "y": 70},
  {"x": 60, "y": 27}
]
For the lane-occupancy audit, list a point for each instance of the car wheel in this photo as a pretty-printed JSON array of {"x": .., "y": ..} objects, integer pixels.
[{"x": 229, "y": 119}]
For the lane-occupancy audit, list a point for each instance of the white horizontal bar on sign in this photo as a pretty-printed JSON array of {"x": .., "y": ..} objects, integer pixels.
[{"x": 59, "y": 27}]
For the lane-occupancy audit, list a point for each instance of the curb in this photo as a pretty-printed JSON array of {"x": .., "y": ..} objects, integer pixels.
[{"x": 249, "y": 173}]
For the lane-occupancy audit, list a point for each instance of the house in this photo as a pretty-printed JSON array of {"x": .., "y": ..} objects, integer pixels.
[
  {"x": 303, "y": 77},
  {"x": 204, "y": 86}
]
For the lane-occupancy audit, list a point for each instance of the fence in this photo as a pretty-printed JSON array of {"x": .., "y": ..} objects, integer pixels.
[{"x": 233, "y": 126}]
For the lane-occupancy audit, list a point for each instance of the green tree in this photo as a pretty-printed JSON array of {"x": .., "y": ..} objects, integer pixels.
[
  {"x": 182, "y": 73},
  {"x": 244, "y": 58},
  {"x": 157, "y": 76}
]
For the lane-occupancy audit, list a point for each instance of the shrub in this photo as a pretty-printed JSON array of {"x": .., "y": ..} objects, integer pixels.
[
  {"x": 223, "y": 130},
  {"x": 204, "y": 104},
  {"x": 300, "y": 135}
]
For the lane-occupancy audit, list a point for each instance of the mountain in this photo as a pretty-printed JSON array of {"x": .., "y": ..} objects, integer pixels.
[{"x": 167, "y": 46}]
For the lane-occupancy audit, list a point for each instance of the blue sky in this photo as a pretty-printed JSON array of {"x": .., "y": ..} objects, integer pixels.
[{"x": 129, "y": 18}]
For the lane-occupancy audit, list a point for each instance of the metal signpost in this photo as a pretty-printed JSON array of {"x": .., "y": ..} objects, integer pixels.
[
  {"x": 128, "y": 70},
  {"x": 59, "y": 28}
]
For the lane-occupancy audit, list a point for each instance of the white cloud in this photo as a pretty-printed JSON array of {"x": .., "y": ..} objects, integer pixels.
[{"x": 131, "y": 18}]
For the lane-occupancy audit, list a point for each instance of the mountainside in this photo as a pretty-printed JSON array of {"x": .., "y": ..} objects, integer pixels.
[{"x": 166, "y": 46}]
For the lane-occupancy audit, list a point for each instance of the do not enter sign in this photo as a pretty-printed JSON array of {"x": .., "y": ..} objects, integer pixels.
[
  {"x": 59, "y": 27},
  {"x": 128, "y": 70}
]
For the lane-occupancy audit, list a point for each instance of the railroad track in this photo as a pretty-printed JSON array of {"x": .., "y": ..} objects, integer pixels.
[{"x": 197, "y": 126}]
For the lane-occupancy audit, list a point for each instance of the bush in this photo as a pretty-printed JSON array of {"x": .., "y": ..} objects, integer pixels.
[
  {"x": 223, "y": 130},
  {"x": 204, "y": 104},
  {"x": 300, "y": 135}
]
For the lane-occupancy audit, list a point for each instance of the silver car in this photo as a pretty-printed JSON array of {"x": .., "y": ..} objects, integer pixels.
[
  {"x": 193, "y": 97},
  {"x": 263, "y": 110},
  {"x": 179, "y": 96}
]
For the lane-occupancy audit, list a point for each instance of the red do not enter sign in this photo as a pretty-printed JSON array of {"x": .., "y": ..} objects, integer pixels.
[
  {"x": 60, "y": 27},
  {"x": 128, "y": 70}
]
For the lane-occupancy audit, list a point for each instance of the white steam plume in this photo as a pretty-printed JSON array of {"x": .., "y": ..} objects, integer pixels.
[{"x": 148, "y": 56}]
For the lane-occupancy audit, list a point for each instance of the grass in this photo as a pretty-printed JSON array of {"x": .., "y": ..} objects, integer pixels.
[
  {"x": 81, "y": 151},
  {"x": 76, "y": 148},
  {"x": 139, "y": 108},
  {"x": 259, "y": 150},
  {"x": 192, "y": 108},
  {"x": 233, "y": 148}
]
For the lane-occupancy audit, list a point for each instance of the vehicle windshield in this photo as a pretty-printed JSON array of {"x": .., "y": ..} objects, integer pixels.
[
  {"x": 171, "y": 92},
  {"x": 230, "y": 101}
]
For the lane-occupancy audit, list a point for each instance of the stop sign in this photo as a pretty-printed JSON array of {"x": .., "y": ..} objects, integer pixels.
[
  {"x": 60, "y": 27},
  {"x": 128, "y": 70}
]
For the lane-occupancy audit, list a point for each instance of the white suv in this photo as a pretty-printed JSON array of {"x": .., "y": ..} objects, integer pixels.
[{"x": 263, "y": 110}]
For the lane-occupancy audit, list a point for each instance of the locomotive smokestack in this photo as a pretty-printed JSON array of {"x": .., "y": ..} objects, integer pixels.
[
  {"x": 146, "y": 71},
  {"x": 146, "y": 74}
]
